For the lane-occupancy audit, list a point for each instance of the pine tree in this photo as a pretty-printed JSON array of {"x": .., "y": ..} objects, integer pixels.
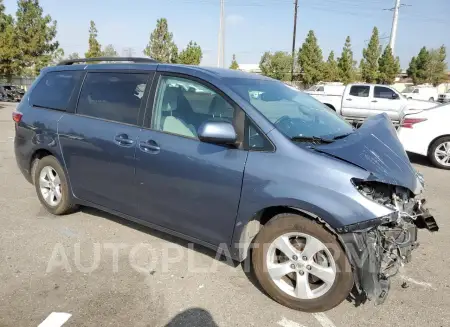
[
  {"x": 234, "y": 64},
  {"x": 95, "y": 49},
  {"x": 346, "y": 64},
  {"x": 331, "y": 71},
  {"x": 109, "y": 51},
  {"x": 369, "y": 63},
  {"x": 192, "y": 55},
  {"x": 422, "y": 64},
  {"x": 35, "y": 33},
  {"x": 9, "y": 51},
  {"x": 412, "y": 70},
  {"x": 389, "y": 67},
  {"x": 437, "y": 67},
  {"x": 161, "y": 45},
  {"x": 310, "y": 60},
  {"x": 277, "y": 65}
]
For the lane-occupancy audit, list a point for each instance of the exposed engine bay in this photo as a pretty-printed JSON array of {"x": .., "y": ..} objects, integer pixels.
[{"x": 379, "y": 247}]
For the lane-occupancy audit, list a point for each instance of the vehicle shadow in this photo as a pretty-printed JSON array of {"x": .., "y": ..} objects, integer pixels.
[
  {"x": 161, "y": 235},
  {"x": 192, "y": 317},
  {"x": 419, "y": 160}
]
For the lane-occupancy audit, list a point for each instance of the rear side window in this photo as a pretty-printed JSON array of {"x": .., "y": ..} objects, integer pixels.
[
  {"x": 383, "y": 93},
  {"x": 416, "y": 91},
  {"x": 112, "y": 96},
  {"x": 360, "y": 91},
  {"x": 55, "y": 89}
]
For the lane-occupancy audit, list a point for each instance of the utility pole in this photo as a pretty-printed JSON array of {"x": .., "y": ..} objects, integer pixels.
[
  {"x": 394, "y": 25},
  {"x": 221, "y": 47},
  {"x": 293, "y": 39}
]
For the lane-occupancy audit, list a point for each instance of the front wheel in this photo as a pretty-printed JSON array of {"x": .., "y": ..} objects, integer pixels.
[
  {"x": 440, "y": 152},
  {"x": 301, "y": 265}
]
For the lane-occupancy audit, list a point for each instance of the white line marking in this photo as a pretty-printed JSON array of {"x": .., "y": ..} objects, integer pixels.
[
  {"x": 423, "y": 284},
  {"x": 288, "y": 323},
  {"x": 55, "y": 319},
  {"x": 323, "y": 320}
]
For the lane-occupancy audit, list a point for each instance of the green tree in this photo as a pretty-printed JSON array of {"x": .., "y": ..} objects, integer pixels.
[
  {"x": 57, "y": 56},
  {"x": 234, "y": 65},
  {"x": 331, "y": 70},
  {"x": 276, "y": 65},
  {"x": 95, "y": 49},
  {"x": 192, "y": 55},
  {"x": 174, "y": 57},
  {"x": 73, "y": 55},
  {"x": 35, "y": 34},
  {"x": 437, "y": 67},
  {"x": 346, "y": 64},
  {"x": 161, "y": 46},
  {"x": 9, "y": 52},
  {"x": 310, "y": 60},
  {"x": 389, "y": 67},
  {"x": 369, "y": 63},
  {"x": 412, "y": 70},
  {"x": 422, "y": 64},
  {"x": 109, "y": 51}
]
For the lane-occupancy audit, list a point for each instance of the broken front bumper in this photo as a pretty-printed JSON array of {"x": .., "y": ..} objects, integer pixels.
[{"x": 376, "y": 253}]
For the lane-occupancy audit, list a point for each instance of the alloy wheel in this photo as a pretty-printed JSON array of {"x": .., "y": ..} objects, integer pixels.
[
  {"x": 442, "y": 154},
  {"x": 50, "y": 186},
  {"x": 301, "y": 265}
]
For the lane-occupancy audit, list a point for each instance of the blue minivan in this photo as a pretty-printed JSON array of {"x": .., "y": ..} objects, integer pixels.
[{"x": 234, "y": 161}]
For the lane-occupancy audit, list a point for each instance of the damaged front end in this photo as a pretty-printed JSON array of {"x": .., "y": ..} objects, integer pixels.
[{"x": 379, "y": 247}]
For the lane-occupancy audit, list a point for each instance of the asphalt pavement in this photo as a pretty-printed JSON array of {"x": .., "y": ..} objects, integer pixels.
[{"x": 105, "y": 271}]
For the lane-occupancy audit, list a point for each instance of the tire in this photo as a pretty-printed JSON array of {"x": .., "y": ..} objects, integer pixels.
[
  {"x": 439, "y": 143},
  {"x": 281, "y": 224},
  {"x": 409, "y": 98},
  {"x": 431, "y": 99},
  {"x": 64, "y": 205}
]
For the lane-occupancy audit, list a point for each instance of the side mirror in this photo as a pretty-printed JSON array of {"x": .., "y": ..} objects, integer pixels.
[
  {"x": 217, "y": 132},
  {"x": 395, "y": 96}
]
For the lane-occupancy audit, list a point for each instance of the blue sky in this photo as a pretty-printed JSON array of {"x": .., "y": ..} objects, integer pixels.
[{"x": 252, "y": 26}]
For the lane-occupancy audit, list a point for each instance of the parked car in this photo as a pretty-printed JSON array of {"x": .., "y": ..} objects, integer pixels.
[
  {"x": 327, "y": 89},
  {"x": 427, "y": 133},
  {"x": 444, "y": 97},
  {"x": 11, "y": 93},
  {"x": 320, "y": 206},
  {"x": 360, "y": 101},
  {"x": 426, "y": 93}
]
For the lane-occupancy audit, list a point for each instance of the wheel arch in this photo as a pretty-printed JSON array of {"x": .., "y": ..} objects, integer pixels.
[
  {"x": 434, "y": 140},
  {"x": 37, "y": 155},
  {"x": 244, "y": 236},
  {"x": 330, "y": 106}
]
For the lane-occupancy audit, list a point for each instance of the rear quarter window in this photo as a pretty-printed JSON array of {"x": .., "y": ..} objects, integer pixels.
[{"x": 55, "y": 89}]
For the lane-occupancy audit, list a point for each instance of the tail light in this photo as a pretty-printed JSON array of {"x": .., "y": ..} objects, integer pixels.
[
  {"x": 410, "y": 122},
  {"x": 17, "y": 116}
]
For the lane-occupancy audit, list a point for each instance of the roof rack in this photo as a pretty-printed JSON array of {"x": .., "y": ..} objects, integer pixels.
[{"x": 69, "y": 62}]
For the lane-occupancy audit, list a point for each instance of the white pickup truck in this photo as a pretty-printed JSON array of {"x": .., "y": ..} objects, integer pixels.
[{"x": 360, "y": 101}]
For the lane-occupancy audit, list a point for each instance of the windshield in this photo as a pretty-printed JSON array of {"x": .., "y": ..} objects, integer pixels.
[
  {"x": 292, "y": 112},
  {"x": 408, "y": 89}
]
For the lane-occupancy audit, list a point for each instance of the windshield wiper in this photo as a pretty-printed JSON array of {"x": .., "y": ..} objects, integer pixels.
[
  {"x": 312, "y": 139},
  {"x": 341, "y": 136}
]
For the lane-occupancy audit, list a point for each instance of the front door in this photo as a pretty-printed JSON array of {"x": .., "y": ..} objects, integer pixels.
[
  {"x": 385, "y": 100},
  {"x": 99, "y": 141},
  {"x": 183, "y": 184},
  {"x": 356, "y": 102}
]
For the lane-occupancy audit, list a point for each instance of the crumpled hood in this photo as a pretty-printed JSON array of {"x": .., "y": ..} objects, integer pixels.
[{"x": 376, "y": 148}]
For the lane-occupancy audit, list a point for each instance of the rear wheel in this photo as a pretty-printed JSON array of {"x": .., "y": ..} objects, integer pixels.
[
  {"x": 431, "y": 99},
  {"x": 301, "y": 265},
  {"x": 51, "y": 186},
  {"x": 440, "y": 152}
]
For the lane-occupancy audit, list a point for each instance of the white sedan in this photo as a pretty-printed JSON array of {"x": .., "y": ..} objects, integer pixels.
[{"x": 427, "y": 133}]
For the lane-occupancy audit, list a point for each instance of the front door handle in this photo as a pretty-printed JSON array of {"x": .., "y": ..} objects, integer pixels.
[
  {"x": 374, "y": 101},
  {"x": 123, "y": 140},
  {"x": 149, "y": 146},
  {"x": 348, "y": 99}
]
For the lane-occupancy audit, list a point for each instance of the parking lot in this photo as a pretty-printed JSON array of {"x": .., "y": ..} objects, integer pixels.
[{"x": 105, "y": 271}]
